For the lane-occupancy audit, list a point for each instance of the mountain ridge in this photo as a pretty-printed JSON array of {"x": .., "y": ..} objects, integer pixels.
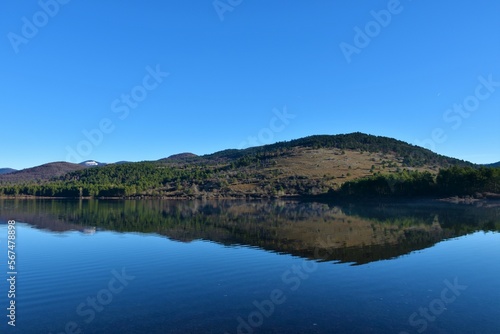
[
  {"x": 307, "y": 166},
  {"x": 7, "y": 170},
  {"x": 231, "y": 153},
  {"x": 43, "y": 172}
]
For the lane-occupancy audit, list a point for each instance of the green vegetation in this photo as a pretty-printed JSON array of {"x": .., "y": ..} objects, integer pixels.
[
  {"x": 453, "y": 181},
  {"x": 351, "y": 165},
  {"x": 412, "y": 156},
  {"x": 404, "y": 183},
  {"x": 114, "y": 181},
  {"x": 155, "y": 179}
]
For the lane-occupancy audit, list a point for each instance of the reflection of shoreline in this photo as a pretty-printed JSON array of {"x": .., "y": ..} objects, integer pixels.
[
  {"x": 349, "y": 233},
  {"x": 488, "y": 201},
  {"x": 89, "y": 230}
]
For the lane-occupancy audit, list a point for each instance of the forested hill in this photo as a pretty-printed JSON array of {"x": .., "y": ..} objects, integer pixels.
[
  {"x": 411, "y": 155},
  {"x": 308, "y": 166}
]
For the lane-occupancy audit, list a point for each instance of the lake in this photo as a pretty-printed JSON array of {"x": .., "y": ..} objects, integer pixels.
[{"x": 159, "y": 266}]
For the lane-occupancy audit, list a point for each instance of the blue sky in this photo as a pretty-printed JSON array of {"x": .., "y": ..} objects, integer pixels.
[{"x": 244, "y": 73}]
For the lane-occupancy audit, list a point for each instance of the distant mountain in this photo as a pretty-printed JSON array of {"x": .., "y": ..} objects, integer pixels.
[
  {"x": 41, "y": 173},
  {"x": 92, "y": 163},
  {"x": 7, "y": 170},
  {"x": 496, "y": 164}
]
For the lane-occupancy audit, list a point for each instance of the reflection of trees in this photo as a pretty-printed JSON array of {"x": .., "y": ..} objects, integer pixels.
[
  {"x": 352, "y": 233},
  {"x": 461, "y": 219}
]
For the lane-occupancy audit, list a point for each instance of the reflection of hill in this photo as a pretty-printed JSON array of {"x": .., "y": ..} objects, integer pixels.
[{"x": 355, "y": 233}]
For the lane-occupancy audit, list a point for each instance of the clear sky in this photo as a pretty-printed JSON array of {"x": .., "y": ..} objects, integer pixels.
[{"x": 141, "y": 80}]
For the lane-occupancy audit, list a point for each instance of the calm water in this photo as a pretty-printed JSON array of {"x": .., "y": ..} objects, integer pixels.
[{"x": 251, "y": 267}]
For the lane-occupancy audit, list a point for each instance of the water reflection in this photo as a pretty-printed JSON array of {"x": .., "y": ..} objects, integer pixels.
[{"x": 356, "y": 233}]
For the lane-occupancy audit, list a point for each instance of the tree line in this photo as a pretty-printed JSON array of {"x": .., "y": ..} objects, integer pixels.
[{"x": 453, "y": 181}]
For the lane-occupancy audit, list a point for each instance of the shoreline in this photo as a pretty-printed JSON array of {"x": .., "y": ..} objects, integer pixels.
[{"x": 487, "y": 199}]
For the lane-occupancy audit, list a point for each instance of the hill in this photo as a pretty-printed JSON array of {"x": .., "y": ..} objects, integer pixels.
[
  {"x": 315, "y": 165},
  {"x": 40, "y": 173},
  {"x": 7, "y": 170},
  {"x": 410, "y": 155}
]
